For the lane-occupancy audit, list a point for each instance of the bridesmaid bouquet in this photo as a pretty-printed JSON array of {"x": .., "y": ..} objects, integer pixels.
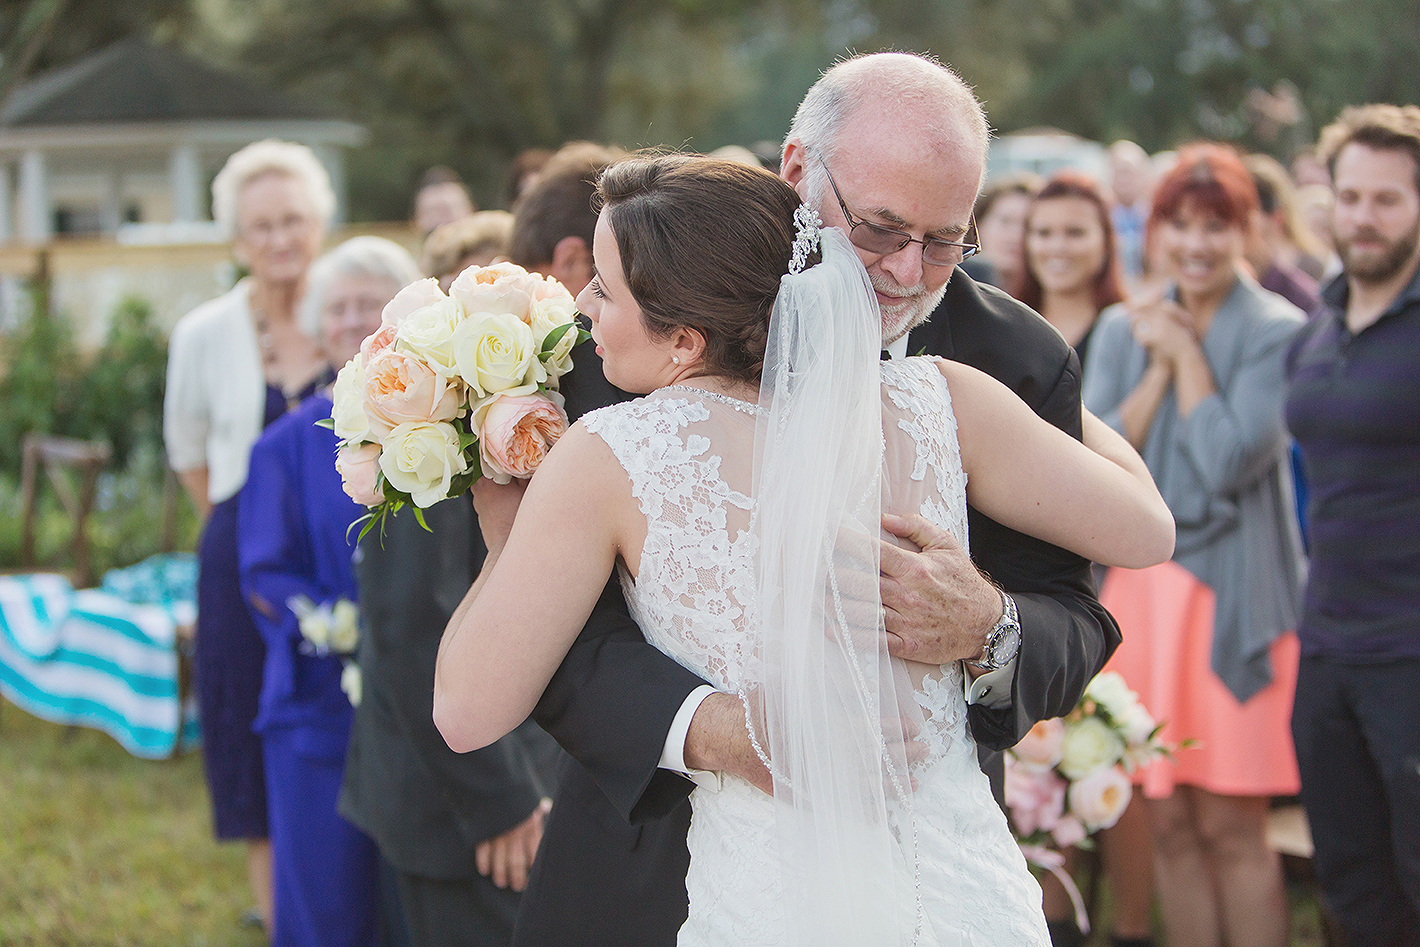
[
  {"x": 454, "y": 387},
  {"x": 1067, "y": 778},
  {"x": 331, "y": 628}
]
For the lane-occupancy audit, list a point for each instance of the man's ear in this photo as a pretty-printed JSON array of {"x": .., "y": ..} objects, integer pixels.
[
  {"x": 792, "y": 166},
  {"x": 571, "y": 264}
]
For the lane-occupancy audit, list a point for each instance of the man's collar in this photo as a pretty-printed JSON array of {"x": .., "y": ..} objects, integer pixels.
[
  {"x": 1337, "y": 293},
  {"x": 898, "y": 349}
]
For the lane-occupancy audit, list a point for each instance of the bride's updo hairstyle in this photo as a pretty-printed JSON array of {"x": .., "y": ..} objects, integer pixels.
[{"x": 703, "y": 242}]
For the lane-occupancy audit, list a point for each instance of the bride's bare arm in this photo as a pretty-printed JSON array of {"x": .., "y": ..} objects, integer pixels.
[
  {"x": 1034, "y": 478},
  {"x": 514, "y": 628}
]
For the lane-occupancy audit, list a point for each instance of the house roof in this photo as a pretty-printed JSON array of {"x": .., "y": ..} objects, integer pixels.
[{"x": 133, "y": 81}]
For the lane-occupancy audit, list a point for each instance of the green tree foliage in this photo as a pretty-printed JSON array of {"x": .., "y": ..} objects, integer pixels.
[
  {"x": 116, "y": 395},
  {"x": 469, "y": 83}
]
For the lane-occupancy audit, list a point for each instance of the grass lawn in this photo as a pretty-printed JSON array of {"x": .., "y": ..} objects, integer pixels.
[{"x": 100, "y": 848}]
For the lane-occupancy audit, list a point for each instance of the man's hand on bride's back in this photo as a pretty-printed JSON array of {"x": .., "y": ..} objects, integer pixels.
[
  {"x": 937, "y": 606},
  {"x": 718, "y": 741}
]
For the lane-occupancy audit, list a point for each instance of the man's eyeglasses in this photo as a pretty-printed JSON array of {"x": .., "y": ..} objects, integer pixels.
[{"x": 884, "y": 240}]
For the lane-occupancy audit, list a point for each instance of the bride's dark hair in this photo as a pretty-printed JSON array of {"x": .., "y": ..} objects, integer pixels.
[{"x": 703, "y": 242}]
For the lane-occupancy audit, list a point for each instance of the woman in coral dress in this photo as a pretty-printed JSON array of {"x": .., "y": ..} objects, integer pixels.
[{"x": 1194, "y": 380}]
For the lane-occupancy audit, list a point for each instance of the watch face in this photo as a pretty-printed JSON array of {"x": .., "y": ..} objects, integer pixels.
[{"x": 1005, "y": 645}]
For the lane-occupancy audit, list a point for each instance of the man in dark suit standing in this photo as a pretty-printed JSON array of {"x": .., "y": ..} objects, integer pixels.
[
  {"x": 459, "y": 831},
  {"x": 888, "y": 143}
]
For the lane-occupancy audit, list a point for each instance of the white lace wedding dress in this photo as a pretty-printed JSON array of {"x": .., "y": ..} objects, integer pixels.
[{"x": 688, "y": 454}]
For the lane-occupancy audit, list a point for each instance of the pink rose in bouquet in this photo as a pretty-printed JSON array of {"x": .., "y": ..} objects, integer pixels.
[
  {"x": 400, "y": 388},
  {"x": 1098, "y": 799},
  {"x": 515, "y": 433},
  {"x": 1035, "y": 797},
  {"x": 359, "y": 466},
  {"x": 500, "y": 288},
  {"x": 1043, "y": 743},
  {"x": 1068, "y": 831},
  {"x": 377, "y": 343}
]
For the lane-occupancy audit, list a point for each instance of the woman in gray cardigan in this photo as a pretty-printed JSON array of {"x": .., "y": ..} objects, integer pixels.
[{"x": 1194, "y": 380}]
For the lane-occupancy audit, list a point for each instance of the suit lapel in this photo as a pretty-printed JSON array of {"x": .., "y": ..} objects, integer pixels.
[{"x": 934, "y": 337}]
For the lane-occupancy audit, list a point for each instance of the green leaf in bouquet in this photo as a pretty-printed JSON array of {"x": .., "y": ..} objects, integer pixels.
[
  {"x": 467, "y": 439},
  {"x": 550, "y": 342},
  {"x": 327, "y": 423},
  {"x": 463, "y": 482}
]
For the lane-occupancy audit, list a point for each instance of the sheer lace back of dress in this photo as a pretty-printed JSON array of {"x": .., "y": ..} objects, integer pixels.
[{"x": 688, "y": 455}]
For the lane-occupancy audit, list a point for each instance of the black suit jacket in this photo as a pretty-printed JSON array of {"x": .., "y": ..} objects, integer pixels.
[
  {"x": 426, "y": 806},
  {"x": 612, "y": 866}
]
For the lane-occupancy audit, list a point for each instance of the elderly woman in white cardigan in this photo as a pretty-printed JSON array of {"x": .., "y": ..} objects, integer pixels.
[{"x": 234, "y": 365}]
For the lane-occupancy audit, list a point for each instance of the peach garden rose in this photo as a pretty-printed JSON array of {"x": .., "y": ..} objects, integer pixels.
[
  {"x": 400, "y": 387},
  {"x": 515, "y": 433}
]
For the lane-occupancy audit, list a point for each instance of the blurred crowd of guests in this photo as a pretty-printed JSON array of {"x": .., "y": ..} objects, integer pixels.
[
  {"x": 1253, "y": 331},
  {"x": 1245, "y": 328}
]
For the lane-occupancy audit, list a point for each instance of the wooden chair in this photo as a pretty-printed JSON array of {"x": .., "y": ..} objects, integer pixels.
[{"x": 60, "y": 458}]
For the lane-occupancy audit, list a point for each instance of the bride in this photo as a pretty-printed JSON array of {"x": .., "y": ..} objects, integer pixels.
[{"x": 740, "y": 501}]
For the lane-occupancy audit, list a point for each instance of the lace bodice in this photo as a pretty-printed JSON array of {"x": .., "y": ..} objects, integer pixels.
[{"x": 688, "y": 455}]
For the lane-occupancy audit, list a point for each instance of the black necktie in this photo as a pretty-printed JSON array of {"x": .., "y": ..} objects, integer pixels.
[{"x": 887, "y": 356}]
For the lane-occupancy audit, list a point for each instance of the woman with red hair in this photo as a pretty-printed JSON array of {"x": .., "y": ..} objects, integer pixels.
[
  {"x": 1194, "y": 379},
  {"x": 1071, "y": 273}
]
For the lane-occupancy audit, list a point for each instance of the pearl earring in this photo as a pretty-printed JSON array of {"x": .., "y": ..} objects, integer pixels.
[{"x": 675, "y": 359}]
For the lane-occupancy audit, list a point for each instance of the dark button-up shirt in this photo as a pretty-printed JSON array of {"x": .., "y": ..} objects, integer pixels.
[{"x": 1354, "y": 407}]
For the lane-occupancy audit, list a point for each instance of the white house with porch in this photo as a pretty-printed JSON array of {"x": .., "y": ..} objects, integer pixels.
[{"x": 127, "y": 141}]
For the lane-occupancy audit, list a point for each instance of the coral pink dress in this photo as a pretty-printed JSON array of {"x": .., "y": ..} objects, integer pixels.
[{"x": 1166, "y": 616}]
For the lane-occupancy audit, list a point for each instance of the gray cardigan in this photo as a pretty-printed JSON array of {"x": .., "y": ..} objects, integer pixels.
[{"x": 1223, "y": 471}]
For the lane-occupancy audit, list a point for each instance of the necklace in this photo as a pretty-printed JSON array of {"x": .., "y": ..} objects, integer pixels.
[
  {"x": 738, "y": 404},
  {"x": 264, "y": 340}
]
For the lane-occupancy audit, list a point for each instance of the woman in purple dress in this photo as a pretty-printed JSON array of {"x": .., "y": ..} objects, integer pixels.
[
  {"x": 235, "y": 364},
  {"x": 295, "y": 547}
]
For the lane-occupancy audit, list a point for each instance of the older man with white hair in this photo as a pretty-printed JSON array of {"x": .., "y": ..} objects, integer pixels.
[{"x": 891, "y": 148}]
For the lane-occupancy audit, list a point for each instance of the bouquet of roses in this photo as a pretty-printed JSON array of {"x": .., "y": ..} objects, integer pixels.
[
  {"x": 1067, "y": 778},
  {"x": 454, "y": 387}
]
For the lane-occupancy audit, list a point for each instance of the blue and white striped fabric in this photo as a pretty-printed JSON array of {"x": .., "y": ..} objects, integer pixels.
[{"x": 92, "y": 659}]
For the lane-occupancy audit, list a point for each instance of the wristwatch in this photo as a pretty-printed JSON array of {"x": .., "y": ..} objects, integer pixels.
[{"x": 1003, "y": 641}]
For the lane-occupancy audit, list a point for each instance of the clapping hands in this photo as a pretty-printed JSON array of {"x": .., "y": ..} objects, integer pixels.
[{"x": 1162, "y": 328}]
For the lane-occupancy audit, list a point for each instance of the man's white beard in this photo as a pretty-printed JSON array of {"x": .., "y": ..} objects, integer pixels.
[{"x": 909, "y": 312}]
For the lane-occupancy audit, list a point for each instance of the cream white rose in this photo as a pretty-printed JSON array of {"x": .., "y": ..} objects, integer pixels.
[
  {"x": 344, "y": 626},
  {"x": 1098, "y": 799},
  {"x": 1113, "y": 695},
  {"x": 1138, "y": 725},
  {"x": 348, "y": 397},
  {"x": 352, "y": 683},
  {"x": 1089, "y": 744},
  {"x": 428, "y": 334},
  {"x": 548, "y": 314},
  {"x": 421, "y": 459},
  {"x": 495, "y": 354}
]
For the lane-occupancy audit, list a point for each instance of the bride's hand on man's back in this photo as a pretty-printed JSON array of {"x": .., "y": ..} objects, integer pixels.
[{"x": 497, "y": 506}]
